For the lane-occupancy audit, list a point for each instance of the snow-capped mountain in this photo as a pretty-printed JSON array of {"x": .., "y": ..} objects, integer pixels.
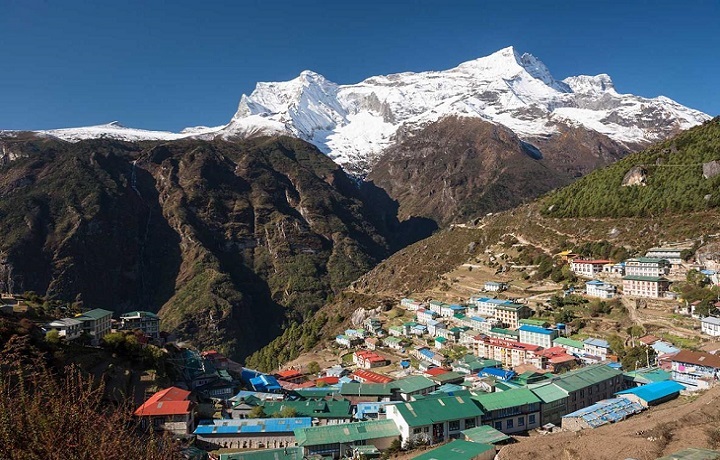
[{"x": 353, "y": 124}]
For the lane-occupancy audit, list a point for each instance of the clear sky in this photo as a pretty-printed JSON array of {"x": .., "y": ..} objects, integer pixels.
[{"x": 168, "y": 65}]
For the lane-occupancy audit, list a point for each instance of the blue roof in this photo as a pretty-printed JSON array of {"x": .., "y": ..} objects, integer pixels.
[
  {"x": 597, "y": 342},
  {"x": 664, "y": 347},
  {"x": 419, "y": 326},
  {"x": 595, "y": 282},
  {"x": 606, "y": 411},
  {"x": 457, "y": 307},
  {"x": 495, "y": 372},
  {"x": 535, "y": 329},
  {"x": 253, "y": 425},
  {"x": 265, "y": 382},
  {"x": 654, "y": 391},
  {"x": 478, "y": 318},
  {"x": 427, "y": 352}
]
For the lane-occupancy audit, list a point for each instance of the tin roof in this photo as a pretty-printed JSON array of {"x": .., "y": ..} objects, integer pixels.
[
  {"x": 456, "y": 450},
  {"x": 346, "y": 433}
]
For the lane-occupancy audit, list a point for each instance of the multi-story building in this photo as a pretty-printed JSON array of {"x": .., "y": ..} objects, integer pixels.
[
  {"x": 645, "y": 286},
  {"x": 588, "y": 268},
  {"x": 710, "y": 326},
  {"x": 423, "y": 315},
  {"x": 510, "y": 314},
  {"x": 169, "y": 410},
  {"x": 597, "y": 288},
  {"x": 511, "y": 411},
  {"x": 411, "y": 304},
  {"x": 509, "y": 353},
  {"x": 672, "y": 255},
  {"x": 67, "y": 328},
  {"x": 435, "y": 420},
  {"x": 647, "y": 266},
  {"x": 597, "y": 347},
  {"x": 147, "y": 322},
  {"x": 96, "y": 323},
  {"x": 495, "y": 286},
  {"x": 437, "y": 306},
  {"x": 696, "y": 369},
  {"x": 368, "y": 359},
  {"x": 537, "y": 335},
  {"x": 573, "y": 347}
]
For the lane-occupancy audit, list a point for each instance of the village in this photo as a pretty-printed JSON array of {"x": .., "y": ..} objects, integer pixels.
[{"x": 430, "y": 379}]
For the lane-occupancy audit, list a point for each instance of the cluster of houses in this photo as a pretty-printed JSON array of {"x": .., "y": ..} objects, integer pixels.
[{"x": 97, "y": 323}]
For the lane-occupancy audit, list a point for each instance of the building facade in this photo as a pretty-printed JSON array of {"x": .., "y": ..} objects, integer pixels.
[
  {"x": 645, "y": 286},
  {"x": 147, "y": 322},
  {"x": 647, "y": 266}
]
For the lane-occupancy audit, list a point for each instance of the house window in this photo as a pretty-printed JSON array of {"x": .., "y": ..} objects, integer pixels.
[
  {"x": 454, "y": 425},
  {"x": 426, "y": 429},
  {"x": 469, "y": 423},
  {"x": 531, "y": 419},
  {"x": 521, "y": 421},
  {"x": 498, "y": 426},
  {"x": 416, "y": 430},
  {"x": 510, "y": 423}
]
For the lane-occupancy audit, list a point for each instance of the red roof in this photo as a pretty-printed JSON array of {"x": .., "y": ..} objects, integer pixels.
[
  {"x": 289, "y": 374},
  {"x": 698, "y": 358},
  {"x": 435, "y": 371},
  {"x": 170, "y": 401},
  {"x": 328, "y": 380},
  {"x": 372, "y": 377},
  {"x": 648, "y": 339},
  {"x": 559, "y": 359},
  {"x": 592, "y": 262}
]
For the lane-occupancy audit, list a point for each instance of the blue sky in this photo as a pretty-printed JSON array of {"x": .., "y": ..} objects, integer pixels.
[{"x": 168, "y": 65}]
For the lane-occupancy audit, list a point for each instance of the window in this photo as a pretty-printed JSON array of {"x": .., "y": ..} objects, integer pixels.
[
  {"x": 531, "y": 419},
  {"x": 521, "y": 421},
  {"x": 454, "y": 425},
  {"x": 510, "y": 423},
  {"x": 416, "y": 430},
  {"x": 426, "y": 429},
  {"x": 469, "y": 423},
  {"x": 498, "y": 426}
]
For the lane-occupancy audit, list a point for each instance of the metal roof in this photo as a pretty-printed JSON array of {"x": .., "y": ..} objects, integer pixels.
[
  {"x": 346, "y": 433},
  {"x": 288, "y": 453},
  {"x": 311, "y": 408},
  {"x": 97, "y": 313},
  {"x": 435, "y": 410},
  {"x": 597, "y": 342},
  {"x": 653, "y": 279},
  {"x": 485, "y": 434},
  {"x": 549, "y": 393},
  {"x": 606, "y": 411},
  {"x": 536, "y": 329},
  {"x": 505, "y": 399},
  {"x": 456, "y": 450},
  {"x": 253, "y": 425},
  {"x": 413, "y": 383},
  {"x": 654, "y": 391},
  {"x": 585, "y": 377},
  {"x": 569, "y": 342},
  {"x": 693, "y": 453}
]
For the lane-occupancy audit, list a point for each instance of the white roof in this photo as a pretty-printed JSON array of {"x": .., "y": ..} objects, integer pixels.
[{"x": 711, "y": 320}]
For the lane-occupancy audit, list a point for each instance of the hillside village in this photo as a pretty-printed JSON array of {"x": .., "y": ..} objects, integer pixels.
[{"x": 434, "y": 379}]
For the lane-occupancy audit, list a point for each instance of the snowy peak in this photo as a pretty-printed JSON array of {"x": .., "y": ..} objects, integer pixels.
[{"x": 586, "y": 84}]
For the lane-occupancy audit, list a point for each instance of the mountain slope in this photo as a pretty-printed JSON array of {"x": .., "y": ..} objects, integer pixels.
[{"x": 229, "y": 241}]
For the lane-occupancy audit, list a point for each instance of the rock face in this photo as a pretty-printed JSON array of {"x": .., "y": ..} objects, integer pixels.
[
  {"x": 636, "y": 176},
  {"x": 227, "y": 241},
  {"x": 711, "y": 169},
  {"x": 459, "y": 168}
]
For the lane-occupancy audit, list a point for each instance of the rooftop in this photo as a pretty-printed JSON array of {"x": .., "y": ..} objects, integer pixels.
[
  {"x": 456, "y": 450},
  {"x": 94, "y": 314},
  {"x": 138, "y": 314},
  {"x": 654, "y": 391},
  {"x": 606, "y": 411},
  {"x": 569, "y": 342},
  {"x": 170, "y": 401},
  {"x": 253, "y": 425},
  {"x": 435, "y": 410},
  {"x": 585, "y": 377},
  {"x": 536, "y": 330},
  {"x": 698, "y": 358},
  {"x": 653, "y": 279},
  {"x": 288, "y": 453},
  {"x": 506, "y": 399},
  {"x": 485, "y": 434},
  {"x": 346, "y": 433}
]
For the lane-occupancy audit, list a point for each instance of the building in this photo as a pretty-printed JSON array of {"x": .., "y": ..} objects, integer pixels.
[
  {"x": 147, "y": 322},
  {"x": 459, "y": 449},
  {"x": 510, "y": 314},
  {"x": 597, "y": 347},
  {"x": 573, "y": 347},
  {"x": 437, "y": 306},
  {"x": 485, "y": 306},
  {"x": 557, "y": 359},
  {"x": 253, "y": 433},
  {"x": 368, "y": 359},
  {"x": 426, "y": 354},
  {"x": 411, "y": 304},
  {"x": 169, "y": 409},
  {"x": 695, "y": 369},
  {"x": 692, "y": 453},
  {"x": 588, "y": 268},
  {"x": 371, "y": 343},
  {"x": 710, "y": 325},
  {"x": 485, "y": 434},
  {"x": 364, "y": 376},
  {"x": 672, "y": 255},
  {"x": 406, "y": 389},
  {"x": 600, "y": 413},
  {"x": 323, "y": 412},
  {"x": 535, "y": 335},
  {"x": 596, "y": 288},
  {"x": 647, "y": 266},
  {"x": 290, "y": 375},
  {"x": 435, "y": 419},
  {"x": 509, "y": 353},
  {"x": 423, "y": 315},
  {"x": 653, "y": 393},
  {"x": 67, "y": 328},
  {"x": 645, "y": 286},
  {"x": 96, "y": 323},
  {"x": 336, "y": 441},
  {"x": 495, "y": 286},
  {"x": 511, "y": 411},
  {"x": 343, "y": 341},
  {"x": 394, "y": 343}
]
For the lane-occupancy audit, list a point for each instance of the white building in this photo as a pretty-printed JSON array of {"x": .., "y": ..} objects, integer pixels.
[
  {"x": 537, "y": 335},
  {"x": 495, "y": 286},
  {"x": 672, "y": 255},
  {"x": 411, "y": 304},
  {"x": 68, "y": 328},
  {"x": 96, "y": 323},
  {"x": 710, "y": 325},
  {"x": 597, "y": 347},
  {"x": 588, "y": 268},
  {"x": 597, "y": 288},
  {"x": 647, "y": 266},
  {"x": 423, "y": 316},
  {"x": 645, "y": 286}
]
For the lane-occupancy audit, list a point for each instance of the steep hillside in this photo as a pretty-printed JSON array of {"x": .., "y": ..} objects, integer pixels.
[
  {"x": 227, "y": 240},
  {"x": 459, "y": 168},
  {"x": 679, "y": 175}
]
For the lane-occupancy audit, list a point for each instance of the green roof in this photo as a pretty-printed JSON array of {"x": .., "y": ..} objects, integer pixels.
[
  {"x": 585, "y": 377},
  {"x": 485, "y": 434},
  {"x": 644, "y": 278},
  {"x": 506, "y": 399},
  {"x": 291, "y": 453},
  {"x": 549, "y": 393},
  {"x": 413, "y": 383},
  {"x": 569, "y": 342},
  {"x": 346, "y": 433},
  {"x": 392, "y": 340},
  {"x": 314, "y": 393},
  {"x": 647, "y": 260},
  {"x": 311, "y": 408},
  {"x": 534, "y": 322},
  {"x": 440, "y": 339},
  {"x": 448, "y": 377},
  {"x": 456, "y": 450},
  {"x": 503, "y": 331},
  {"x": 435, "y": 410},
  {"x": 648, "y": 375},
  {"x": 141, "y": 313},
  {"x": 365, "y": 389},
  {"x": 94, "y": 314}
]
